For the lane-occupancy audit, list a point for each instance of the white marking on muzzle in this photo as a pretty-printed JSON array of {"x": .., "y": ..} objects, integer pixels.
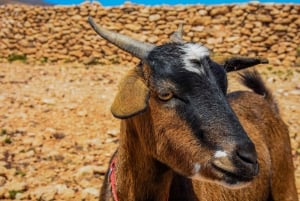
[
  {"x": 220, "y": 154},
  {"x": 197, "y": 168},
  {"x": 196, "y": 172}
]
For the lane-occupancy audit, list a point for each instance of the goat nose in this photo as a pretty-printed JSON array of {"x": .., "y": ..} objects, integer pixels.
[{"x": 247, "y": 153}]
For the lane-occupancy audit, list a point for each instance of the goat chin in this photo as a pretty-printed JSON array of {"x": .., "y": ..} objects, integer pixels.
[{"x": 236, "y": 185}]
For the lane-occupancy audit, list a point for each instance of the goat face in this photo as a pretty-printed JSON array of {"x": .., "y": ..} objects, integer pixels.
[
  {"x": 195, "y": 132},
  {"x": 176, "y": 98}
]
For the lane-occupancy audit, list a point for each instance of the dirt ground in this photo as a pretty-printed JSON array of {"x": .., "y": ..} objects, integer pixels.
[{"x": 57, "y": 134}]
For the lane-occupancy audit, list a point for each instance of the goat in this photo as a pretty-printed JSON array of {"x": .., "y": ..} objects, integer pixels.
[{"x": 182, "y": 137}]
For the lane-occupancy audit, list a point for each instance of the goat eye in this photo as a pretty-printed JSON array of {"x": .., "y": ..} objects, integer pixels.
[{"x": 165, "y": 96}]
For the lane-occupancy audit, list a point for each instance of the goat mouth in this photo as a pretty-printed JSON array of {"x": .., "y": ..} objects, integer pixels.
[{"x": 232, "y": 178}]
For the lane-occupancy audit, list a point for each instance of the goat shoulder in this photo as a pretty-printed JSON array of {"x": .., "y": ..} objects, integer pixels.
[{"x": 259, "y": 115}]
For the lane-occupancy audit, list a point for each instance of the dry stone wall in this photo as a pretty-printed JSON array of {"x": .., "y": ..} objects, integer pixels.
[{"x": 62, "y": 34}]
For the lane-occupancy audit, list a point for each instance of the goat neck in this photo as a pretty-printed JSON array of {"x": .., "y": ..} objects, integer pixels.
[{"x": 138, "y": 175}]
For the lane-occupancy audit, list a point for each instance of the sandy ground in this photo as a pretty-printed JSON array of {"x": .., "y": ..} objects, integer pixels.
[{"x": 57, "y": 134}]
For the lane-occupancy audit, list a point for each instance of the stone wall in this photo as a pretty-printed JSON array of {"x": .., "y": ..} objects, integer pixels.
[{"x": 62, "y": 34}]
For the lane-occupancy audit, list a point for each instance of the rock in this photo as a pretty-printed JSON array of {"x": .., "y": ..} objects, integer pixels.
[
  {"x": 257, "y": 39},
  {"x": 64, "y": 192},
  {"x": 235, "y": 50},
  {"x": 25, "y": 43},
  {"x": 264, "y": 18},
  {"x": 30, "y": 153},
  {"x": 100, "y": 170},
  {"x": 153, "y": 18},
  {"x": 203, "y": 12},
  {"x": 42, "y": 39},
  {"x": 219, "y": 10},
  {"x": 3, "y": 170},
  {"x": 297, "y": 62},
  {"x": 59, "y": 136},
  {"x": 82, "y": 113},
  {"x": 63, "y": 34},
  {"x": 271, "y": 39},
  {"x": 49, "y": 101},
  {"x": 2, "y": 181},
  {"x": 153, "y": 39},
  {"x": 113, "y": 132},
  {"x": 90, "y": 60},
  {"x": 279, "y": 27},
  {"x": 232, "y": 39},
  {"x": 16, "y": 186},
  {"x": 76, "y": 17},
  {"x": 76, "y": 53},
  {"x": 198, "y": 28},
  {"x": 133, "y": 27},
  {"x": 21, "y": 196},
  {"x": 89, "y": 192},
  {"x": 6, "y": 172},
  {"x": 50, "y": 130},
  {"x": 295, "y": 92},
  {"x": 46, "y": 193},
  {"x": 3, "y": 191},
  {"x": 213, "y": 41},
  {"x": 204, "y": 20},
  {"x": 85, "y": 171}
]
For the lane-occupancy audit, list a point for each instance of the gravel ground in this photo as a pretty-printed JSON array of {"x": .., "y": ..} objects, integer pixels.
[{"x": 57, "y": 134}]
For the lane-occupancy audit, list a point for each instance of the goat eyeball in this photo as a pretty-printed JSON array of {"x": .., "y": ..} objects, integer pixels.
[{"x": 165, "y": 96}]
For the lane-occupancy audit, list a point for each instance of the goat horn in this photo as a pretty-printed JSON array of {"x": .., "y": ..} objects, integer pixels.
[
  {"x": 177, "y": 35},
  {"x": 130, "y": 45}
]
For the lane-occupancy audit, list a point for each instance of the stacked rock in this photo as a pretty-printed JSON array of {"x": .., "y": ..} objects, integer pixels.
[{"x": 62, "y": 34}]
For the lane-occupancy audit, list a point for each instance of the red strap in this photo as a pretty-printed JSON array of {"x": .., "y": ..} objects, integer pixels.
[{"x": 112, "y": 177}]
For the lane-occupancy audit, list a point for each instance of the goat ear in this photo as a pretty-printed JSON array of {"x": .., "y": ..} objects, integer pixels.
[
  {"x": 239, "y": 63},
  {"x": 132, "y": 97},
  {"x": 235, "y": 63}
]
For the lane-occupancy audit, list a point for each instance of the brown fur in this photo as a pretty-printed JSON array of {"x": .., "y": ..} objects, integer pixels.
[
  {"x": 141, "y": 177},
  {"x": 276, "y": 177}
]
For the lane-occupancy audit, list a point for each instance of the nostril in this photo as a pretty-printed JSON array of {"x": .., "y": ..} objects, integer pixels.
[{"x": 247, "y": 156}]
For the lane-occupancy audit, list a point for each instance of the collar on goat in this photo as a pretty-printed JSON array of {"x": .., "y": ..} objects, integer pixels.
[{"x": 112, "y": 178}]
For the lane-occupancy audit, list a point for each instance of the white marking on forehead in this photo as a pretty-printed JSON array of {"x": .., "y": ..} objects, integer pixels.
[
  {"x": 220, "y": 154},
  {"x": 193, "y": 52}
]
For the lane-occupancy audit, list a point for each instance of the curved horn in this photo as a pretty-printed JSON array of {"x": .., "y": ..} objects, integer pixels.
[
  {"x": 176, "y": 37},
  {"x": 132, "y": 46}
]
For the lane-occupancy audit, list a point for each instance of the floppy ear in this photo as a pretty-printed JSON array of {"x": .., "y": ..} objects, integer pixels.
[{"x": 132, "y": 97}]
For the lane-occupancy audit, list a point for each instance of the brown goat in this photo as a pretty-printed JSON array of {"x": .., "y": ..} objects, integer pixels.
[{"x": 184, "y": 138}]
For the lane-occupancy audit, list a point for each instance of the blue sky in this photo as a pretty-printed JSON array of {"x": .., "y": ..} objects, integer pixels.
[{"x": 171, "y": 2}]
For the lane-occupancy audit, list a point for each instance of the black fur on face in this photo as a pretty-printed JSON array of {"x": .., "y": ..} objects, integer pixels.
[
  {"x": 199, "y": 89},
  {"x": 168, "y": 58},
  {"x": 199, "y": 86},
  {"x": 220, "y": 75}
]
